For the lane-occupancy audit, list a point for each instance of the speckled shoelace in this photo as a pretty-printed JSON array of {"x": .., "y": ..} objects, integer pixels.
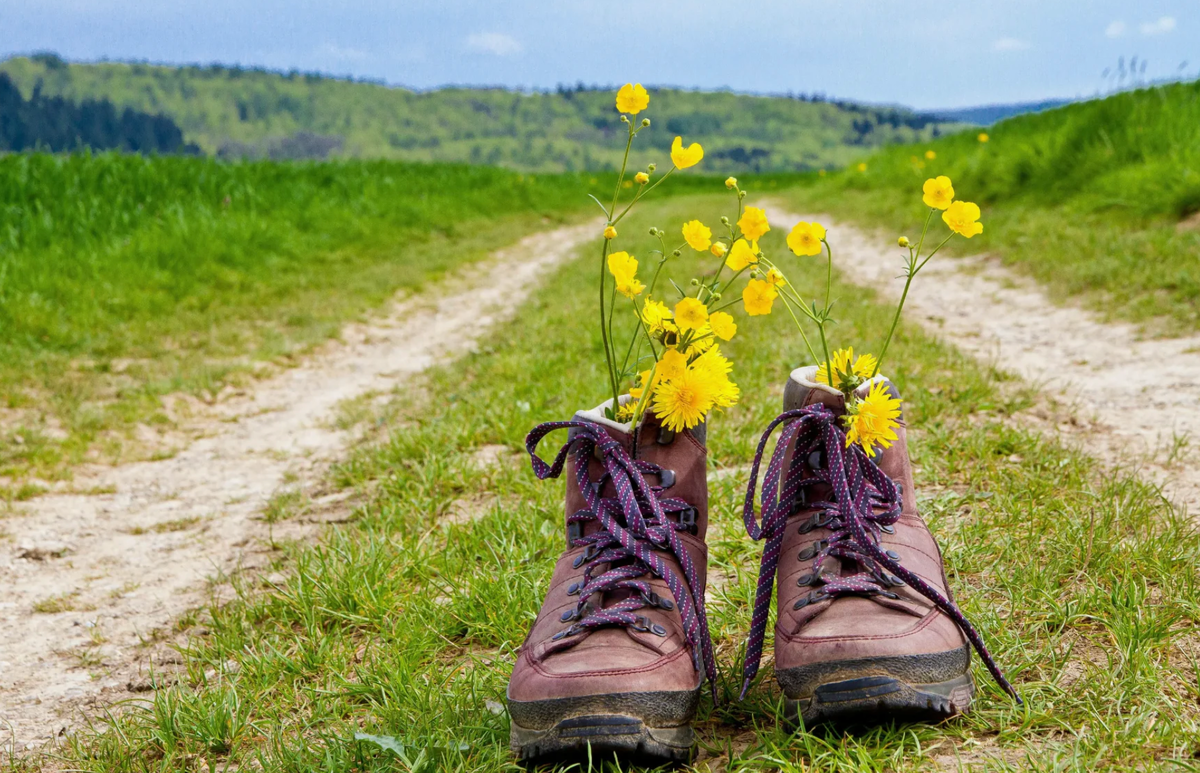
[
  {"x": 633, "y": 527},
  {"x": 865, "y": 502}
]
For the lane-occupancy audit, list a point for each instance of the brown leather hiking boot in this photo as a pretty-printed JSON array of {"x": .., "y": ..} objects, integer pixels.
[
  {"x": 620, "y": 648},
  {"x": 866, "y": 630}
]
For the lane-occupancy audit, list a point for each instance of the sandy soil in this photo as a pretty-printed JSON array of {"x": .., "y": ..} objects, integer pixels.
[
  {"x": 94, "y": 585},
  {"x": 1130, "y": 401}
]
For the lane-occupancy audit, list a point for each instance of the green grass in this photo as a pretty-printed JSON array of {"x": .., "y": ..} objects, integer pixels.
[
  {"x": 1087, "y": 198},
  {"x": 252, "y": 110},
  {"x": 123, "y": 278},
  {"x": 405, "y": 623}
]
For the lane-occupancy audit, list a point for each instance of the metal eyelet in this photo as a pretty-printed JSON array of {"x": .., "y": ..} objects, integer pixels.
[
  {"x": 812, "y": 550},
  {"x": 687, "y": 519},
  {"x": 574, "y": 531},
  {"x": 816, "y": 459},
  {"x": 665, "y": 436},
  {"x": 808, "y": 525},
  {"x": 658, "y": 630},
  {"x": 801, "y": 603},
  {"x": 666, "y": 478},
  {"x": 574, "y": 588},
  {"x": 887, "y": 529},
  {"x": 568, "y": 615},
  {"x": 892, "y": 555},
  {"x": 888, "y": 594}
]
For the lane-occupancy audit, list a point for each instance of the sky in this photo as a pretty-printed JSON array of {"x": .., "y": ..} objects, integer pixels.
[{"x": 911, "y": 52}]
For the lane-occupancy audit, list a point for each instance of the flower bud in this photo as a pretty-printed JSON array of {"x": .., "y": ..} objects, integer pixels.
[
  {"x": 718, "y": 249},
  {"x": 624, "y": 119},
  {"x": 642, "y": 178},
  {"x": 902, "y": 241},
  {"x": 741, "y": 194},
  {"x": 724, "y": 220},
  {"x": 716, "y": 297},
  {"x": 730, "y": 182},
  {"x": 610, "y": 232},
  {"x": 695, "y": 282},
  {"x": 754, "y": 273},
  {"x": 653, "y": 231},
  {"x": 651, "y": 167},
  {"x": 676, "y": 253},
  {"x": 645, "y": 122}
]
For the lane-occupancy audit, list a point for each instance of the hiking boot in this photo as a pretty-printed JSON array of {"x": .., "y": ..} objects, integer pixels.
[
  {"x": 866, "y": 630},
  {"x": 619, "y": 651}
]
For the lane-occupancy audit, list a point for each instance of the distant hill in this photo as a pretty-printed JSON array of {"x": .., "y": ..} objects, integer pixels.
[
  {"x": 238, "y": 112},
  {"x": 986, "y": 115}
]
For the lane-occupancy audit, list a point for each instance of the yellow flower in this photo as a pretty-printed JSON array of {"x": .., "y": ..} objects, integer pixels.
[
  {"x": 758, "y": 297},
  {"x": 681, "y": 403},
  {"x": 632, "y": 98},
  {"x": 742, "y": 254},
  {"x": 902, "y": 241},
  {"x": 805, "y": 238},
  {"x": 718, "y": 249},
  {"x": 862, "y": 167},
  {"x": 939, "y": 192},
  {"x": 631, "y": 289},
  {"x": 845, "y": 363},
  {"x": 753, "y": 223},
  {"x": 642, "y": 178},
  {"x": 929, "y": 154},
  {"x": 962, "y": 217},
  {"x": 684, "y": 157},
  {"x": 722, "y": 325},
  {"x": 873, "y": 420},
  {"x": 622, "y": 266},
  {"x": 656, "y": 315},
  {"x": 610, "y": 232},
  {"x": 715, "y": 367},
  {"x": 697, "y": 235},
  {"x": 775, "y": 278},
  {"x": 730, "y": 182},
  {"x": 672, "y": 365},
  {"x": 636, "y": 392},
  {"x": 983, "y": 137},
  {"x": 690, "y": 314}
]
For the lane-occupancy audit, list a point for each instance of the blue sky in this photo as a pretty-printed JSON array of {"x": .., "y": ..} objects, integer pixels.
[{"x": 923, "y": 54}]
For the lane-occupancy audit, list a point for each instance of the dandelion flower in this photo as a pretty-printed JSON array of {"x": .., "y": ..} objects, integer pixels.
[
  {"x": 805, "y": 238},
  {"x": 938, "y": 192},
  {"x": 684, "y": 157},
  {"x": 722, "y": 325},
  {"x": 697, "y": 235},
  {"x": 753, "y": 223},
  {"x": 742, "y": 254},
  {"x": 682, "y": 402},
  {"x": 715, "y": 367},
  {"x": 845, "y": 363},
  {"x": 758, "y": 297},
  {"x": 690, "y": 314},
  {"x": 610, "y": 232},
  {"x": 963, "y": 218},
  {"x": 632, "y": 98},
  {"x": 873, "y": 420}
]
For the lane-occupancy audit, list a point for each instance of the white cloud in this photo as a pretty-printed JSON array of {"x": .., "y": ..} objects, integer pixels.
[
  {"x": 1009, "y": 44},
  {"x": 1115, "y": 30},
  {"x": 495, "y": 43},
  {"x": 1160, "y": 27}
]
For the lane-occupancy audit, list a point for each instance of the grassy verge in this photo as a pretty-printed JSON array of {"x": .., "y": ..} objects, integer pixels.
[
  {"x": 123, "y": 278},
  {"x": 1096, "y": 200},
  {"x": 405, "y": 623}
]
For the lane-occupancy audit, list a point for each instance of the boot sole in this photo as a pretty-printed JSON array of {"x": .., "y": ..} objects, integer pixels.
[
  {"x": 872, "y": 691},
  {"x": 641, "y": 728}
]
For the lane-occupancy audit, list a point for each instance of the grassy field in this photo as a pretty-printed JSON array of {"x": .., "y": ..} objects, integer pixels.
[
  {"x": 405, "y": 622},
  {"x": 259, "y": 112},
  {"x": 123, "y": 278},
  {"x": 1097, "y": 200}
]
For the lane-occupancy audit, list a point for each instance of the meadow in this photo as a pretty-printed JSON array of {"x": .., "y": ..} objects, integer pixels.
[
  {"x": 1097, "y": 200},
  {"x": 404, "y": 622}
]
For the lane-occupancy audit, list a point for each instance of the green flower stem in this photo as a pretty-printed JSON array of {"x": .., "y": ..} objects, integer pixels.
[
  {"x": 609, "y": 355},
  {"x": 641, "y": 194},
  {"x": 910, "y": 271},
  {"x": 787, "y": 304}
]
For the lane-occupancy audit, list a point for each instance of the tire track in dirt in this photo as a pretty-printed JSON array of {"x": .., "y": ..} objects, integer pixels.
[
  {"x": 1136, "y": 401},
  {"x": 94, "y": 584}
]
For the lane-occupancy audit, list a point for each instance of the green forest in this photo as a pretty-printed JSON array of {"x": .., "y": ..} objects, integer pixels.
[{"x": 237, "y": 113}]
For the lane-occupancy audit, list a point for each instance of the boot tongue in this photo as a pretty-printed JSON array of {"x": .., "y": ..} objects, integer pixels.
[{"x": 803, "y": 390}]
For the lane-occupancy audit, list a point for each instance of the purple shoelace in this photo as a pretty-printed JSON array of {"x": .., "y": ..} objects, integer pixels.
[
  {"x": 865, "y": 502},
  {"x": 633, "y": 527}
]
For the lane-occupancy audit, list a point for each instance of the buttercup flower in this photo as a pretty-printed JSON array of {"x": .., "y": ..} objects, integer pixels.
[
  {"x": 656, "y": 316},
  {"x": 690, "y": 314},
  {"x": 684, "y": 157},
  {"x": 939, "y": 192},
  {"x": 722, "y": 325},
  {"x": 730, "y": 182},
  {"x": 717, "y": 248},
  {"x": 758, "y": 297},
  {"x": 963, "y": 217},
  {"x": 862, "y": 167},
  {"x": 632, "y": 98},
  {"x": 682, "y": 402},
  {"x": 753, "y": 223},
  {"x": 622, "y": 266},
  {"x": 983, "y": 137},
  {"x": 642, "y": 178},
  {"x": 610, "y": 232},
  {"x": 872, "y": 420},
  {"x": 742, "y": 254},
  {"x": 672, "y": 365},
  {"x": 805, "y": 238},
  {"x": 844, "y": 362},
  {"x": 929, "y": 154},
  {"x": 631, "y": 289},
  {"x": 775, "y": 278},
  {"x": 902, "y": 241},
  {"x": 697, "y": 235}
]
